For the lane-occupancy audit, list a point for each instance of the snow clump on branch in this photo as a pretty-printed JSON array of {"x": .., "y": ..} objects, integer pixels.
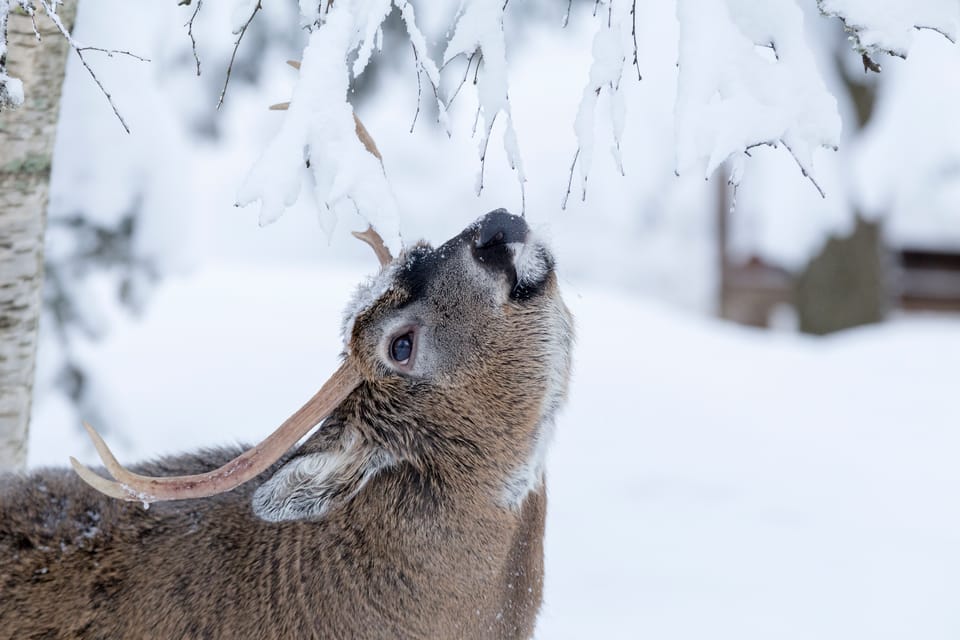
[
  {"x": 748, "y": 78},
  {"x": 890, "y": 26}
]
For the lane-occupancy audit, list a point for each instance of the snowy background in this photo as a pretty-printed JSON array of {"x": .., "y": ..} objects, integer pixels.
[{"x": 707, "y": 480}]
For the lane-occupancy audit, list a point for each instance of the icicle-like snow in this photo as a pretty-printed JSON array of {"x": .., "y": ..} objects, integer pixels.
[
  {"x": 610, "y": 43},
  {"x": 480, "y": 28}
]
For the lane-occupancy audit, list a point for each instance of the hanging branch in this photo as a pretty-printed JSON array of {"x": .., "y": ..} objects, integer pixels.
[
  {"x": 193, "y": 41},
  {"x": 633, "y": 15},
  {"x": 233, "y": 56},
  {"x": 466, "y": 73}
]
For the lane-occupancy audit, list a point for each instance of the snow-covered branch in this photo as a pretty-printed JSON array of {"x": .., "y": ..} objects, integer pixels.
[
  {"x": 479, "y": 28},
  {"x": 614, "y": 34},
  {"x": 889, "y": 26},
  {"x": 319, "y": 132},
  {"x": 747, "y": 77}
]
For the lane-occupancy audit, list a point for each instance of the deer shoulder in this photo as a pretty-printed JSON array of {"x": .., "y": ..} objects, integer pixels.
[{"x": 416, "y": 509}]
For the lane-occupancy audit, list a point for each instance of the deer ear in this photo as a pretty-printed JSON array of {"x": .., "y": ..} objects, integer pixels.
[{"x": 310, "y": 485}]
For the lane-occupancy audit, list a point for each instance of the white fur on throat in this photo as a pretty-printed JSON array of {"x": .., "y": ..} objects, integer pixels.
[
  {"x": 308, "y": 486},
  {"x": 529, "y": 476}
]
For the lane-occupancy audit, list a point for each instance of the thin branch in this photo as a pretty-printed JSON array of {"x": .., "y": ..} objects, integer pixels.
[
  {"x": 416, "y": 59},
  {"x": 233, "y": 56},
  {"x": 476, "y": 70},
  {"x": 636, "y": 63},
  {"x": 105, "y": 93},
  {"x": 775, "y": 144},
  {"x": 193, "y": 41},
  {"x": 476, "y": 121},
  {"x": 111, "y": 52},
  {"x": 466, "y": 72},
  {"x": 566, "y": 196},
  {"x": 50, "y": 10},
  {"x": 921, "y": 27},
  {"x": 483, "y": 154},
  {"x": 452, "y": 58},
  {"x": 803, "y": 170}
]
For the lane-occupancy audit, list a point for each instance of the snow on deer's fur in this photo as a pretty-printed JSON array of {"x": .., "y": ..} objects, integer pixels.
[{"x": 416, "y": 510}]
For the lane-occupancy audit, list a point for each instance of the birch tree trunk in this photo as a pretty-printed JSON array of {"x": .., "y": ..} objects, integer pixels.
[{"x": 26, "y": 146}]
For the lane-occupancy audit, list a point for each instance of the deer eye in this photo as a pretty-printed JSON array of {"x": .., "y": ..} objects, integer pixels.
[{"x": 402, "y": 348}]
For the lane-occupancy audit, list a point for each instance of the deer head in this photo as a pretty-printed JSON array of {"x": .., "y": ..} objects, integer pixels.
[{"x": 456, "y": 355}]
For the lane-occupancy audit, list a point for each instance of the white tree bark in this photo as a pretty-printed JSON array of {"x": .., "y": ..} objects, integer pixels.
[{"x": 26, "y": 145}]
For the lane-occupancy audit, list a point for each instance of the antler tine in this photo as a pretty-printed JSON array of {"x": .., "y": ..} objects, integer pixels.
[
  {"x": 138, "y": 488},
  {"x": 372, "y": 238}
]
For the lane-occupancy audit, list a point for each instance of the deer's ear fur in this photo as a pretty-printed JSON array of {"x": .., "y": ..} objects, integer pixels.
[{"x": 312, "y": 484}]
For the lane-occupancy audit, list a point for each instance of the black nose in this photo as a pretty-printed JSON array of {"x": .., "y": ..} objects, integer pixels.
[{"x": 500, "y": 227}]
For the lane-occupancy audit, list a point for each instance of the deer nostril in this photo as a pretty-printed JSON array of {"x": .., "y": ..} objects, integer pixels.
[{"x": 499, "y": 227}]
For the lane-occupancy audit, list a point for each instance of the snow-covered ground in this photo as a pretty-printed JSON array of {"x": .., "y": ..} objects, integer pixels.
[{"x": 707, "y": 481}]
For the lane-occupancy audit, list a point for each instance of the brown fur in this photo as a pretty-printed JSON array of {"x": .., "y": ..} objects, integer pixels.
[{"x": 423, "y": 546}]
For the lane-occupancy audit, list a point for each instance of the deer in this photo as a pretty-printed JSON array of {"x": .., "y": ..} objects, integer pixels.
[{"x": 414, "y": 510}]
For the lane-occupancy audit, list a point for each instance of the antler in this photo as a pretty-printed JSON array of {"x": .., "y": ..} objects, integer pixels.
[
  {"x": 138, "y": 488},
  {"x": 372, "y": 238}
]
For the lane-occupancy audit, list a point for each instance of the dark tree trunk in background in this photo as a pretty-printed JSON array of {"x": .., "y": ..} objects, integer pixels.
[
  {"x": 844, "y": 285},
  {"x": 26, "y": 146}
]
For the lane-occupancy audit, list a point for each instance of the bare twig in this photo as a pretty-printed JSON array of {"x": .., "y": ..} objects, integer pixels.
[
  {"x": 463, "y": 81},
  {"x": 193, "y": 41},
  {"x": 111, "y": 52},
  {"x": 236, "y": 45},
  {"x": 636, "y": 62},
  {"x": 566, "y": 16},
  {"x": 476, "y": 70},
  {"x": 803, "y": 170},
  {"x": 566, "y": 196},
  {"x": 921, "y": 27},
  {"x": 476, "y": 121},
  {"x": 774, "y": 144},
  {"x": 105, "y": 93},
  {"x": 49, "y": 7},
  {"x": 483, "y": 154},
  {"x": 416, "y": 60}
]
